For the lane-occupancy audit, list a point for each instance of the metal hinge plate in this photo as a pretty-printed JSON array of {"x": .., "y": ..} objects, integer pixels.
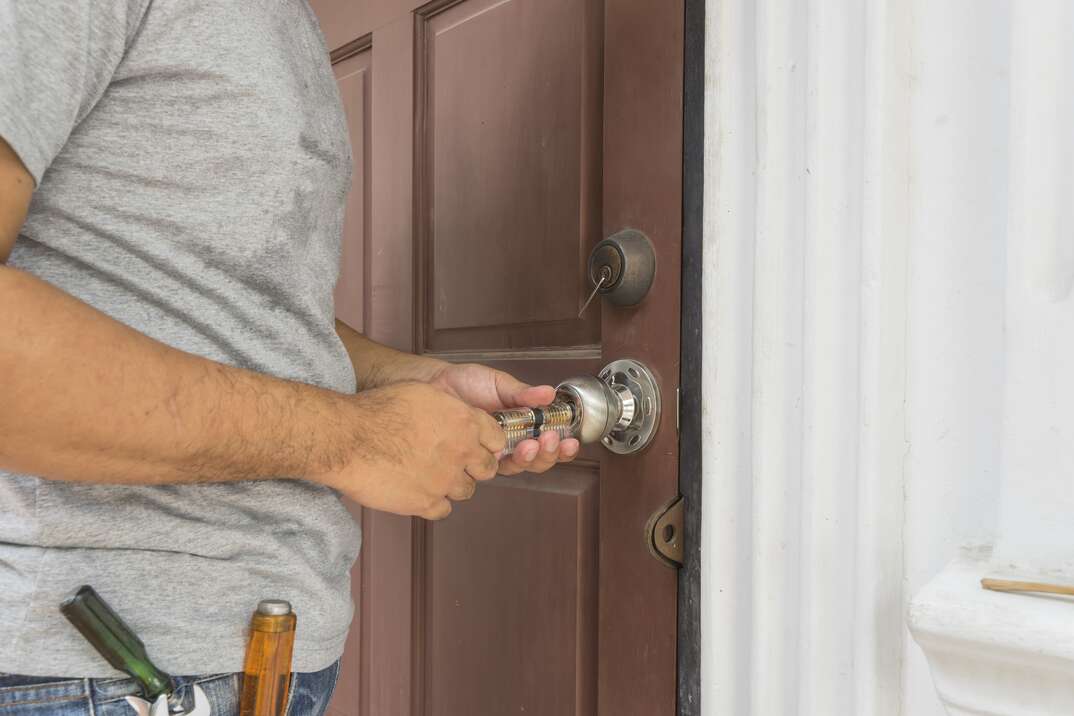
[{"x": 665, "y": 536}]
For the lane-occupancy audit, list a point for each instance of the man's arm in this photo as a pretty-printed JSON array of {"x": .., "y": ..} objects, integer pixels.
[
  {"x": 16, "y": 187},
  {"x": 86, "y": 398},
  {"x": 377, "y": 365}
]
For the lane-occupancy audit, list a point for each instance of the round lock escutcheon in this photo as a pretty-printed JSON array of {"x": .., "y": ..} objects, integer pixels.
[
  {"x": 620, "y": 408},
  {"x": 638, "y": 395},
  {"x": 624, "y": 266}
]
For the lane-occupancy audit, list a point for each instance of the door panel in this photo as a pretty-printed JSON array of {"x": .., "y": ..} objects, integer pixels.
[
  {"x": 354, "y": 76},
  {"x": 509, "y": 131},
  {"x": 511, "y": 620},
  {"x": 497, "y": 142}
]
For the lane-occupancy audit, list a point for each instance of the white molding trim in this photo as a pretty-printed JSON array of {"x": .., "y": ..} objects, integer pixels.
[
  {"x": 1008, "y": 654},
  {"x": 995, "y": 654},
  {"x": 806, "y": 271},
  {"x": 888, "y": 307}
]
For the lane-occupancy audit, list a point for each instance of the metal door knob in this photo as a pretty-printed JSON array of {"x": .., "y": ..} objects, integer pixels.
[{"x": 620, "y": 408}]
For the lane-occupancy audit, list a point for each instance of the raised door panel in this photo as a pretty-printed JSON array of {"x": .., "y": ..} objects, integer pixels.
[
  {"x": 354, "y": 78},
  {"x": 507, "y": 205},
  {"x": 509, "y": 136},
  {"x": 511, "y": 600}
]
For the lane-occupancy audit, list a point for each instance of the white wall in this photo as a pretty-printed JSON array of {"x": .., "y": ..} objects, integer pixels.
[{"x": 876, "y": 361}]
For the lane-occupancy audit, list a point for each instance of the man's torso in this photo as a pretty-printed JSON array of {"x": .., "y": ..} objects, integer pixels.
[{"x": 199, "y": 201}]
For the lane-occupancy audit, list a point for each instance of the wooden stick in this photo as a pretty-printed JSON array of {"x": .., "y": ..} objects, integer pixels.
[{"x": 1013, "y": 585}]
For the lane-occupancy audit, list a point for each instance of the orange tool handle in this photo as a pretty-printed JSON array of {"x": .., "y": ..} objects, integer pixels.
[{"x": 267, "y": 673}]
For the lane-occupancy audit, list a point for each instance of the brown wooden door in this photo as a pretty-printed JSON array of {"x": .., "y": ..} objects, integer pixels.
[{"x": 495, "y": 142}]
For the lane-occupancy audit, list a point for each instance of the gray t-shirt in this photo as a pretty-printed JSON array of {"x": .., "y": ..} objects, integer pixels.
[{"x": 192, "y": 160}]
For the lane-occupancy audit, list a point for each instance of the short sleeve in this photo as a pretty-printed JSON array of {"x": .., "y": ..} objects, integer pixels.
[{"x": 57, "y": 57}]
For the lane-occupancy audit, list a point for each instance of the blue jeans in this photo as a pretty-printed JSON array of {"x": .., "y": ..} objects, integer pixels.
[{"x": 49, "y": 696}]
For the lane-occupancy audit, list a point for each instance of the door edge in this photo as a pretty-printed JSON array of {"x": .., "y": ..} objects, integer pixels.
[{"x": 689, "y": 598}]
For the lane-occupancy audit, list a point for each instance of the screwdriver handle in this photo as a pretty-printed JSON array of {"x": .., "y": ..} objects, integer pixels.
[
  {"x": 115, "y": 641},
  {"x": 266, "y": 678}
]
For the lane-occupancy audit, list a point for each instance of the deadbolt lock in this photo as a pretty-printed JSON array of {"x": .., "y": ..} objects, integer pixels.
[
  {"x": 620, "y": 409},
  {"x": 622, "y": 267}
]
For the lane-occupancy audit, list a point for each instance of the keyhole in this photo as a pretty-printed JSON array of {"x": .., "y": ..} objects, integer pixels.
[
  {"x": 669, "y": 533},
  {"x": 605, "y": 276}
]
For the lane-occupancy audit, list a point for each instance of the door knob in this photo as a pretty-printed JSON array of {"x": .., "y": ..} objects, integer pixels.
[
  {"x": 621, "y": 268},
  {"x": 620, "y": 408}
]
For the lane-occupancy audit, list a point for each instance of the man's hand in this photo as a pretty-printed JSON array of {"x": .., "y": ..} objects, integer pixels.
[
  {"x": 416, "y": 447},
  {"x": 488, "y": 389},
  {"x": 479, "y": 386}
]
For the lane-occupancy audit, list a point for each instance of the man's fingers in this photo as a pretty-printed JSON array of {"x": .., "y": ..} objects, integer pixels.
[
  {"x": 490, "y": 434},
  {"x": 485, "y": 469},
  {"x": 509, "y": 467},
  {"x": 535, "y": 397},
  {"x": 520, "y": 460},
  {"x": 463, "y": 490},
  {"x": 438, "y": 511},
  {"x": 568, "y": 449},
  {"x": 533, "y": 455},
  {"x": 525, "y": 452},
  {"x": 548, "y": 455},
  {"x": 513, "y": 393}
]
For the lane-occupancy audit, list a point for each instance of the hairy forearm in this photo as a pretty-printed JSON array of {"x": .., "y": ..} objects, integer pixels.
[
  {"x": 85, "y": 398},
  {"x": 376, "y": 365}
]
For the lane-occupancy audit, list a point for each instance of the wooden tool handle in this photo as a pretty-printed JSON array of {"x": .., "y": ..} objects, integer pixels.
[
  {"x": 1014, "y": 585},
  {"x": 266, "y": 677}
]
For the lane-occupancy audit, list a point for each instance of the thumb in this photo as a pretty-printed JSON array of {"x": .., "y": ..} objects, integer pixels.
[{"x": 513, "y": 393}]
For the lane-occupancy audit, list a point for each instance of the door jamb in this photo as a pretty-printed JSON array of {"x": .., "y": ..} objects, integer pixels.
[{"x": 690, "y": 446}]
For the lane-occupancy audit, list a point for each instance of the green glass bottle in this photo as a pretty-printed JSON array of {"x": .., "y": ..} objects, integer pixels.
[{"x": 115, "y": 641}]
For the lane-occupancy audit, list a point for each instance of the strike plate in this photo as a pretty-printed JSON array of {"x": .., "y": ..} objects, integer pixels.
[{"x": 665, "y": 533}]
